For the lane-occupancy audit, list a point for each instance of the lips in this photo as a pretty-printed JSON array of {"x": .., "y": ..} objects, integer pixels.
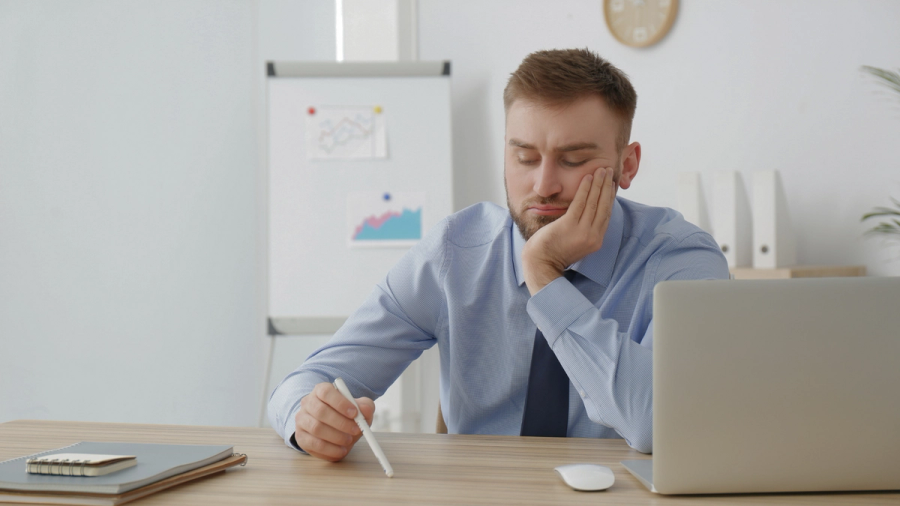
[{"x": 544, "y": 210}]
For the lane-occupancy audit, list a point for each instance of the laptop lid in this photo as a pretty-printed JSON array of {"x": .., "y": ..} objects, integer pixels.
[{"x": 776, "y": 385}]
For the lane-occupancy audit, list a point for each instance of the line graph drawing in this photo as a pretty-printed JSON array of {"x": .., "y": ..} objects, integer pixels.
[
  {"x": 391, "y": 225},
  {"x": 342, "y": 132},
  {"x": 345, "y": 132},
  {"x": 384, "y": 219}
]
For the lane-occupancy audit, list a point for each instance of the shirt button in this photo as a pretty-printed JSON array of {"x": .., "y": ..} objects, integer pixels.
[{"x": 582, "y": 394}]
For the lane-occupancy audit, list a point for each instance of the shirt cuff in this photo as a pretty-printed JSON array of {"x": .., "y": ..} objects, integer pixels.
[
  {"x": 293, "y": 443},
  {"x": 290, "y": 430},
  {"x": 555, "y": 307}
]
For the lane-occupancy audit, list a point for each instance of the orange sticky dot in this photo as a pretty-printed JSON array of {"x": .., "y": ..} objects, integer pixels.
[{"x": 311, "y": 110}]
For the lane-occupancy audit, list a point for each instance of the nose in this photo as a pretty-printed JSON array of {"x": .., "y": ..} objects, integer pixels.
[{"x": 547, "y": 181}]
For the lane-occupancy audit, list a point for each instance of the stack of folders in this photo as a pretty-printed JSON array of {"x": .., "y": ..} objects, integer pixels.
[{"x": 64, "y": 476}]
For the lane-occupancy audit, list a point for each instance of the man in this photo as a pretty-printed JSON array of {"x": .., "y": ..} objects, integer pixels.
[{"x": 542, "y": 313}]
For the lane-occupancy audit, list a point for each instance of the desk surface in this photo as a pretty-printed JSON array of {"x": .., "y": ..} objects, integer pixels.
[{"x": 429, "y": 469}]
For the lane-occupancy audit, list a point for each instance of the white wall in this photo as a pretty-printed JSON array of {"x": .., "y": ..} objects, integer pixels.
[
  {"x": 129, "y": 217},
  {"x": 296, "y": 30},
  {"x": 737, "y": 85},
  {"x": 132, "y": 165}
]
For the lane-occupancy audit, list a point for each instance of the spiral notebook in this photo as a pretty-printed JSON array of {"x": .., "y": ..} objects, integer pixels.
[
  {"x": 79, "y": 464},
  {"x": 155, "y": 462}
]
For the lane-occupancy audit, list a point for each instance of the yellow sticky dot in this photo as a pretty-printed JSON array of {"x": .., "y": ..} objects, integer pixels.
[{"x": 377, "y": 109}]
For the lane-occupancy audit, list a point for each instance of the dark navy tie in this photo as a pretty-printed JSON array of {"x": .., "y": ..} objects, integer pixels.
[{"x": 547, "y": 401}]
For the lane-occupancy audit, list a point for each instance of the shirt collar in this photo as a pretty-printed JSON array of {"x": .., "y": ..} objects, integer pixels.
[{"x": 598, "y": 266}]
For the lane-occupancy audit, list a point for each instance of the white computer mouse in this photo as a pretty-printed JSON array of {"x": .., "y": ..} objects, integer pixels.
[{"x": 587, "y": 477}]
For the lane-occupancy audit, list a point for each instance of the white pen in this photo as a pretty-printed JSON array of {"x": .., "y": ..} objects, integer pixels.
[{"x": 364, "y": 427}]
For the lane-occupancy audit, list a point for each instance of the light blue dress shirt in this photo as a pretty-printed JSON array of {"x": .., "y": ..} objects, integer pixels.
[{"x": 462, "y": 288}]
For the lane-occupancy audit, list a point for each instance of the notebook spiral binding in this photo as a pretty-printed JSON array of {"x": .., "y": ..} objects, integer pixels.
[
  {"x": 246, "y": 458},
  {"x": 64, "y": 467}
]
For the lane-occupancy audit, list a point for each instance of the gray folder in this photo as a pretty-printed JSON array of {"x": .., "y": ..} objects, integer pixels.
[{"x": 155, "y": 462}]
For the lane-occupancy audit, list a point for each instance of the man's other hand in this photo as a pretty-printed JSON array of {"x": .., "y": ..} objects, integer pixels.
[
  {"x": 575, "y": 235},
  {"x": 324, "y": 426}
]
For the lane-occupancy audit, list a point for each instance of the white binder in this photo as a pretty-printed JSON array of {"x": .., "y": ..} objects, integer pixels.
[
  {"x": 731, "y": 221},
  {"x": 774, "y": 244},
  {"x": 691, "y": 201}
]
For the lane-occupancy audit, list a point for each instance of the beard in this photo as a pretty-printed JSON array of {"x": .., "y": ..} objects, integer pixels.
[{"x": 529, "y": 225}]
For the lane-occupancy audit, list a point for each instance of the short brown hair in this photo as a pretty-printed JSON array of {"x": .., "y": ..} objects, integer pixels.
[{"x": 561, "y": 76}]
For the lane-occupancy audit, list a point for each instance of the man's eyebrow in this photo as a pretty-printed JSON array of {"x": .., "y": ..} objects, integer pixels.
[
  {"x": 519, "y": 144},
  {"x": 578, "y": 146}
]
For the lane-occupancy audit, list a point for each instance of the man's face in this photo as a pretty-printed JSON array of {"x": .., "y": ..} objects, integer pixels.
[{"x": 549, "y": 149}]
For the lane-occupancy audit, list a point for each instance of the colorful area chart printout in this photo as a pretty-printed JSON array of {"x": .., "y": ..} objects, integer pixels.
[
  {"x": 385, "y": 219},
  {"x": 345, "y": 132}
]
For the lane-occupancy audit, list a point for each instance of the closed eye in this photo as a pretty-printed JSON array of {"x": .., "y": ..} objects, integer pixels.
[{"x": 569, "y": 163}]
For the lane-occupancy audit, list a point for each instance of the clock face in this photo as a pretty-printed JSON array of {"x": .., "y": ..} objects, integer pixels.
[{"x": 639, "y": 23}]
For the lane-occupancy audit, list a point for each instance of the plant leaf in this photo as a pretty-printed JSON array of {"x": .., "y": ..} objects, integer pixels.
[
  {"x": 884, "y": 211},
  {"x": 886, "y": 78},
  {"x": 883, "y": 229},
  {"x": 880, "y": 211}
]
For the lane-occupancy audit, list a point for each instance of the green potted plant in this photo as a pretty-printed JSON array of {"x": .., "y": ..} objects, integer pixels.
[{"x": 889, "y": 227}]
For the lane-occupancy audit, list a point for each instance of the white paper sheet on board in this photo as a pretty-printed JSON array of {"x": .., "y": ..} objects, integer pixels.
[
  {"x": 384, "y": 219},
  {"x": 345, "y": 132}
]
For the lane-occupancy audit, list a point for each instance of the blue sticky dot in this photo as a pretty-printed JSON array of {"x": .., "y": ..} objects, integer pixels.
[{"x": 387, "y": 196}]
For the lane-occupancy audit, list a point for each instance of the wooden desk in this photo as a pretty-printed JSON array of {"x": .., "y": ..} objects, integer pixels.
[{"x": 429, "y": 469}]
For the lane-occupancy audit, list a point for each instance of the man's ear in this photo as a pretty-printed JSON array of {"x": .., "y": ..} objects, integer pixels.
[{"x": 631, "y": 160}]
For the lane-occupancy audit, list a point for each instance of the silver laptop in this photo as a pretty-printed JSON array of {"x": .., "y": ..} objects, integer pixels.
[{"x": 775, "y": 386}]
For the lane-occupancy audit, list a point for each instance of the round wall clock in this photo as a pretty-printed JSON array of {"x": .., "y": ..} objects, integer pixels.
[{"x": 639, "y": 23}]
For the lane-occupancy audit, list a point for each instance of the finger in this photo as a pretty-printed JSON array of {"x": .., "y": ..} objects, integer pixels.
[
  {"x": 321, "y": 430},
  {"x": 327, "y": 414},
  {"x": 319, "y": 448},
  {"x": 325, "y": 457},
  {"x": 593, "y": 198},
  {"x": 329, "y": 394},
  {"x": 576, "y": 208},
  {"x": 367, "y": 406},
  {"x": 604, "y": 210}
]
